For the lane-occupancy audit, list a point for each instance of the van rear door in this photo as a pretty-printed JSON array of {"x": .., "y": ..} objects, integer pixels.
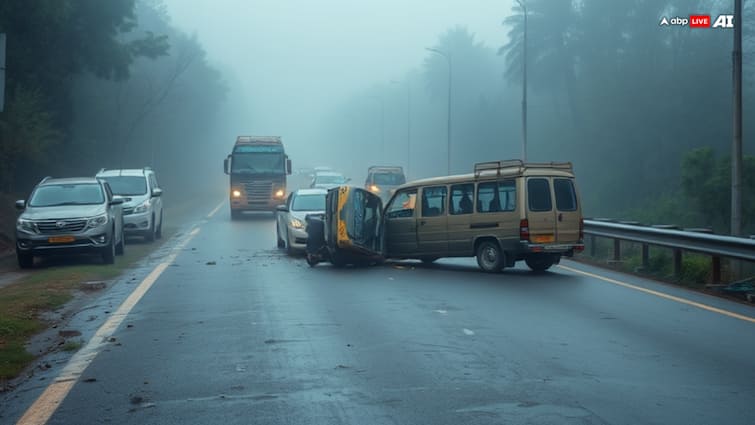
[
  {"x": 540, "y": 212},
  {"x": 568, "y": 211}
]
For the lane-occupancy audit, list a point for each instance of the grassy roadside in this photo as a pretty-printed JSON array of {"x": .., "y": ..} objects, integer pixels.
[{"x": 47, "y": 288}]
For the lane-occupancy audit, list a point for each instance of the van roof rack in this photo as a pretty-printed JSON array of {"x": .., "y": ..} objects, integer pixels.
[{"x": 517, "y": 164}]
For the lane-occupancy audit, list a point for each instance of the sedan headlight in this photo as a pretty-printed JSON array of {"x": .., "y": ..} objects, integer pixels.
[
  {"x": 98, "y": 221},
  {"x": 142, "y": 208},
  {"x": 296, "y": 223},
  {"x": 27, "y": 226}
]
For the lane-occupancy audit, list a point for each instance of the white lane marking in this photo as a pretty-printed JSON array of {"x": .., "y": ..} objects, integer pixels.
[
  {"x": 440, "y": 311},
  {"x": 44, "y": 407},
  {"x": 467, "y": 331},
  {"x": 663, "y": 295},
  {"x": 216, "y": 209}
]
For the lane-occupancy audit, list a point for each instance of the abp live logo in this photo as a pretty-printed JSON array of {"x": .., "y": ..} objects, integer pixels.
[{"x": 699, "y": 21}]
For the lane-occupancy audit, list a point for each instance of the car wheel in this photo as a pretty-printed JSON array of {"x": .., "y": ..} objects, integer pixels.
[
  {"x": 490, "y": 257},
  {"x": 281, "y": 242},
  {"x": 25, "y": 260},
  {"x": 108, "y": 252},
  {"x": 150, "y": 235},
  {"x": 159, "y": 233},
  {"x": 539, "y": 263},
  {"x": 289, "y": 249},
  {"x": 120, "y": 248}
]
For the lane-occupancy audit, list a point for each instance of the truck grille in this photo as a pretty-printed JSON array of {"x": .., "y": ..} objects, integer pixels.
[
  {"x": 61, "y": 226},
  {"x": 258, "y": 191}
]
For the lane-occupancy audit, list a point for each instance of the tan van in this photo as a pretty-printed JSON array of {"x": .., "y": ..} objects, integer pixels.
[{"x": 504, "y": 212}]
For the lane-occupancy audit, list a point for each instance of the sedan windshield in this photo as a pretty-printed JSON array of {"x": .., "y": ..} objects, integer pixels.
[
  {"x": 309, "y": 203},
  {"x": 127, "y": 185},
  {"x": 67, "y": 194},
  {"x": 330, "y": 180}
]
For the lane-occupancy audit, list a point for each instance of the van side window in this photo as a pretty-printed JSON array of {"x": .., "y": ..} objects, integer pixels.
[
  {"x": 566, "y": 198},
  {"x": 495, "y": 197},
  {"x": 402, "y": 205},
  {"x": 462, "y": 196},
  {"x": 434, "y": 201},
  {"x": 539, "y": 195}
]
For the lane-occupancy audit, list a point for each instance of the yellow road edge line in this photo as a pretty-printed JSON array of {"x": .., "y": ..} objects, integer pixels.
[
  {"x": 663, "y": 295},
  {"x": 48, "y": 402},
  {"x": 216, "y": 209}
]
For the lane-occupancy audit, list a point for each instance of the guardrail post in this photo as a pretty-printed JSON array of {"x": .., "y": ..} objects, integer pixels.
[
  {"x": 616, "y": 249},
  {"x": 716, "y": 270},
  {"x": 645, "y": 256},
  {"x": 677, "y": 262}
]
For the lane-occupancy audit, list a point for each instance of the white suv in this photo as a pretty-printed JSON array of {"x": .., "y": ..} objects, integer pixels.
[{"x": 143, "y": 206}]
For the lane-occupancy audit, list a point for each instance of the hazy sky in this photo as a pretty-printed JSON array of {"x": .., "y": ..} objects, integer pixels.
[{"x": 295, "y": 59}]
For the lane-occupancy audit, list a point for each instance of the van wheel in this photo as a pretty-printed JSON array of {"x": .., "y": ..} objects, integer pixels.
[
  {"x": 490, "y": 257},
  {"x": 539, "y": 263},
  {"x": 25, "y": 260}
]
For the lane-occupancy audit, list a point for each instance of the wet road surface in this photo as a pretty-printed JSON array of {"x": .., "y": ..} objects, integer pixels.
[{"x": 236, "y": 332}]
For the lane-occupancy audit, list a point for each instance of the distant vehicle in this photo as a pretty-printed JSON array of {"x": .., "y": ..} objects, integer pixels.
[
  {"x": 290, "y": 229},
  {"x": 142, "y": 200},
  {"x": 328, "y": 180},
  {"x": 69, "y": 216},
  {"x": 258, "y": 166},
  {"x": 383, "y": 180},
  {"x": 322, "y": 168}
]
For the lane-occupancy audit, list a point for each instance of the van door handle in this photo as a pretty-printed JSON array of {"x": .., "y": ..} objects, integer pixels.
[{"x": 560, "y": 217}]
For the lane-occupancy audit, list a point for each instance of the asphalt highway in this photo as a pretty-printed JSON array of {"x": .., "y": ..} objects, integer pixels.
[{"x": 233, "y": 331}]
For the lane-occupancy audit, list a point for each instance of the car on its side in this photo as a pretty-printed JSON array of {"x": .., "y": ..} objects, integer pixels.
[
  {"x": 328, "y": 180},
  {"x": 143, "y": 205},
  {"x": 69, "y": 216},
  {"x": 291, "y": 225}
]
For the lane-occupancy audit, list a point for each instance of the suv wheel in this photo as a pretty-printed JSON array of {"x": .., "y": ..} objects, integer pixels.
[
  {"x": 159, "y": 233},
  {"x": 25, "y": 260},
  {"x": 120, "y": 248},
  {"x": 149, "y": 236},
  {"x": 490, "y": 257},
  {"x": 108, "y": 252}
]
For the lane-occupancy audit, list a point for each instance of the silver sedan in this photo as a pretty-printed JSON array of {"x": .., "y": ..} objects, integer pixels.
[{"x": 291, "y": 226}]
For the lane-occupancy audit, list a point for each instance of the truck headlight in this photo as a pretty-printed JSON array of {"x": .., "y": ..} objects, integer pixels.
[
  {"x": 279, "y": 193},
  {"x": 142, "y": 208},
  {"x": 296, "y": 223},
  {"x": 98, "y": 221},
  {"x": 27, "y": 226},
  {"x": 236, "y": 193}
]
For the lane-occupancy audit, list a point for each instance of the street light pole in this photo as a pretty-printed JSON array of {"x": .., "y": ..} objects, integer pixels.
[
  {"x": 736, "y": 144},
  {"x": 524, "y": 83},
  {"x": 448, "y": 119}
]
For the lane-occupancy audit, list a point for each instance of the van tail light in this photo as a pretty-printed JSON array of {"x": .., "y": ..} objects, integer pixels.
[
  {"x": 581, "y": 229},
  {"x": 524, "y": 230}
]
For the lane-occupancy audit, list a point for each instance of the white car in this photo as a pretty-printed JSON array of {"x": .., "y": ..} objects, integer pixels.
[
  {"x": 291, "y": 225},
  {"x": 328, "y": 180},
  {"x": 143, "y": 205}
]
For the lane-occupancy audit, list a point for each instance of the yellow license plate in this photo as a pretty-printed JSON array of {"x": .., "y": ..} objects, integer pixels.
[
  {"x": 61, "y": 239},
  {"x": 543, "y": 238}
]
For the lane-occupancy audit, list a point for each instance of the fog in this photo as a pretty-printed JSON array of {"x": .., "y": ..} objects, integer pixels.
[{"x": 293, "y": 63}]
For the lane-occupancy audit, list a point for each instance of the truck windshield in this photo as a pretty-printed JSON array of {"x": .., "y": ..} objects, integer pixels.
[
  {"x": 257, "y": 163},
  {"x": 390, "y": 179}
]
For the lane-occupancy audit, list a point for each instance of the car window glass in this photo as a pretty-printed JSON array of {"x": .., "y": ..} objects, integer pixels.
[
  {"x": 566, "y": 198},
  {"x": 539, "y": 195},
  {"x": 403, "y": 204},
  {"x": 434, "y": 201},
  {"x": 462, "y": 196},
  {"x": 495, "y": 197}
]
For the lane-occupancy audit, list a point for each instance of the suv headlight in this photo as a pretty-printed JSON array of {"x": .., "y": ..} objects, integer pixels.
[
  {"x": 142, "y": 208},
  {"x": 98, "y": 221},
  {"x": 27, "y": 226},
  {"x": 296, "y": 223}
]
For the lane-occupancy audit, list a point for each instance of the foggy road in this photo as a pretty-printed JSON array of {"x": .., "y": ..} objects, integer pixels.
[{"x": 234, "y": 331}]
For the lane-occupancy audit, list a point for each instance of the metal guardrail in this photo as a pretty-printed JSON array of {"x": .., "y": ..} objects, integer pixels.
[{"x": 691, "y": 240}]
